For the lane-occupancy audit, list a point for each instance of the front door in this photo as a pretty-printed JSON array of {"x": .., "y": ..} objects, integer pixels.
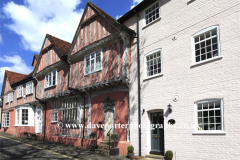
[
  {"x": 38, "y": 128},
  {"x": 157, "y": 132},
  {"x": 108, "y": 123}
]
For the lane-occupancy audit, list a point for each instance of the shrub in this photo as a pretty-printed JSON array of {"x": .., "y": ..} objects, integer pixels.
[
  {"x": 25, "y": 133},
  {"x": 33, "y": 135},
  {"x": 130, "y": 149},
  {"x": 168, "y": 155},
  {"x": 92, "y": 135},
  {"x": 114, "y": 137}
]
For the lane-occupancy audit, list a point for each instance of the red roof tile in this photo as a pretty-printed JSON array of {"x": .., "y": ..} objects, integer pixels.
[
  {"x": 61, "y": 45},
  {"x": 15, "y": 77}
]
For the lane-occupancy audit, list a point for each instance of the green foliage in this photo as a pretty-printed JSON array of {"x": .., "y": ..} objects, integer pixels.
[
  {"x": 25, "y": 133},
  {"x": 33, "y": 135},
  {"x": 114, "y": 137},
  {"x": 168, "y": 155},
  {"x": 130, "y": 149},
  {"x": 92, "y": 135}
]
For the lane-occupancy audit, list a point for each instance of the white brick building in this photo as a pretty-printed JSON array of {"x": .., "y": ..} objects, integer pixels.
[{"x": 214, "y": 76}]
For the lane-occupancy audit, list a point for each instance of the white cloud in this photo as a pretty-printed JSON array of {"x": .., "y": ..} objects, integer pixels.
[
  {"x": 118, "y": 16},
  {"x": 33, "y": 20},
  {"x": 135, "y": 2},
  {"x": 17, "y": 65}
]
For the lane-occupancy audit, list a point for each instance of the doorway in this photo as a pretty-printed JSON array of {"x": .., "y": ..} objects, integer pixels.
[{"x": 157, "y": 133}]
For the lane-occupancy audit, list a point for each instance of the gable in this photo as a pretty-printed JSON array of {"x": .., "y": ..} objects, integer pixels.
[
  {"x": 93, "y": 27},
  {"x": 48, "y": 56},
  {"x": 7, "y": 86}
]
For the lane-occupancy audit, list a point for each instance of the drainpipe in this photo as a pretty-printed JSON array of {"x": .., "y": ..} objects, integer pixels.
[
  {"x": 44, "y": 105},
  {"x": 139, "y": 89}
]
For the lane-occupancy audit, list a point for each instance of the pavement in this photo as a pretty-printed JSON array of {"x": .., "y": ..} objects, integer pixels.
[{"x": 24, "y": 148}]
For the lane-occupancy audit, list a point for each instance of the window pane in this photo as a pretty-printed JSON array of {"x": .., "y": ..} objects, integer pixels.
[
  {"x": 218, "y": 127},
  {"x": 205, "y": 113},
  {"x": 200, "y": 114}
]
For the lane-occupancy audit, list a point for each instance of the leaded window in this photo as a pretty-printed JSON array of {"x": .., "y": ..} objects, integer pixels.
[
  {"x": 93, "y": 62},
  {"x": 29, "y": 87}
]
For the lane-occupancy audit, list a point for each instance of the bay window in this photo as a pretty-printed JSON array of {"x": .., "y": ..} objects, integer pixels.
[
  {"x": 24, "y": 116},
  {"x": 5, "y": 119},
  {"x": 51, "y": 79},
  {"x": 93, "y": 62}
]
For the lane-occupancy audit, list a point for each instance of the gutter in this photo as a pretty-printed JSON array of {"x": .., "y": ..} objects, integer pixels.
[{"x": 139, "y": 88}]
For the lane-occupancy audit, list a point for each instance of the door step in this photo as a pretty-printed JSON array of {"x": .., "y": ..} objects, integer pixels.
[{"x": 152, "y": 156}]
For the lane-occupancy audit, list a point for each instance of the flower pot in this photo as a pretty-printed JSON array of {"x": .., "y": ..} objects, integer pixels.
[
  {"x": 130, "y": 155},
  {"x": 114, "y": 151}
]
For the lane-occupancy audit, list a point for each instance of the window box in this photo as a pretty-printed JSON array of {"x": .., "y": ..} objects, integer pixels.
[
  {"x": 29, "y": 87},
  {"x": 206, "y": 45},
  {"x": 5, "y": 119},
  {"x": 209, "y": 117},
  {"x": 51, "y": 79},
  {"x": 19, "y": 91},
  {"x": 24, "y": 116},
  {"x": 151, "y": 14},
  {"x": 93, "y": 62},
  {"x": 153, "y": 64}
]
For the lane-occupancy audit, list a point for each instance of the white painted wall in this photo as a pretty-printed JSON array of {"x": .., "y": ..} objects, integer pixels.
[{"x": 215, "y": 79}]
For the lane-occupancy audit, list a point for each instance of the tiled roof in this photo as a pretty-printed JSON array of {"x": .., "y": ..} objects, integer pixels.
[
  {"x": 15, "y": 77},
  {"x": 36, "y": 56},
  {"x": 61, "y": 45},
  {"x": 110, "y": 19}
]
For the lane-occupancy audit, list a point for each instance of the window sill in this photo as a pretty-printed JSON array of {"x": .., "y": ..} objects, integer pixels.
[
  {"x": 92, "y": 72},
  {"x": 154, "y": 76},
  {"x": 54, "y": 122},
  {"x": 29, "y": 94},
  {"x": 50, "y": 87},
  {"x": 210, "y": 133},
  {"x": 23, "y": 126},
  {"x": 152, "y": 22},
  {"x": 205, "y": 61}
]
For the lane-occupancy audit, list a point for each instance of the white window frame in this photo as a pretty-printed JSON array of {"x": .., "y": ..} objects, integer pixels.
[
  {"x": 47, "y": 77},
  {"x": 207, "y": 101},
  {"x": 5, "y": 120},
  {"x": 19, "y": 89},
  {"x": 218, "y": 43},
  {"x": 145, "y": 64},
  {"x": 53, "y": 116},
  {"x": 7, "y": 98},
  {"x": 28, "y": 89},
  {"x": 101, "y": 62},
  {"x": 144, "y": 14},
  {"x": 10, "y": 96},
  {"x": 18, "y": 120}
]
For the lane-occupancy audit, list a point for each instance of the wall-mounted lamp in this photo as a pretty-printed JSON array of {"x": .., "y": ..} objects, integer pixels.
[{"x": 170, "y": 108}]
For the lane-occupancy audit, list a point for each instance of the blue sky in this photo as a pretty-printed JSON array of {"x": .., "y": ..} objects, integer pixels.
[{"x": 24, "y": 24}]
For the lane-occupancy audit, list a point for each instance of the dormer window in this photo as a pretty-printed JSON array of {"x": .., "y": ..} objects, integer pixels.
[
  {"x": 19, "y": 91},
  {"x": 51, "y": 79}
]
